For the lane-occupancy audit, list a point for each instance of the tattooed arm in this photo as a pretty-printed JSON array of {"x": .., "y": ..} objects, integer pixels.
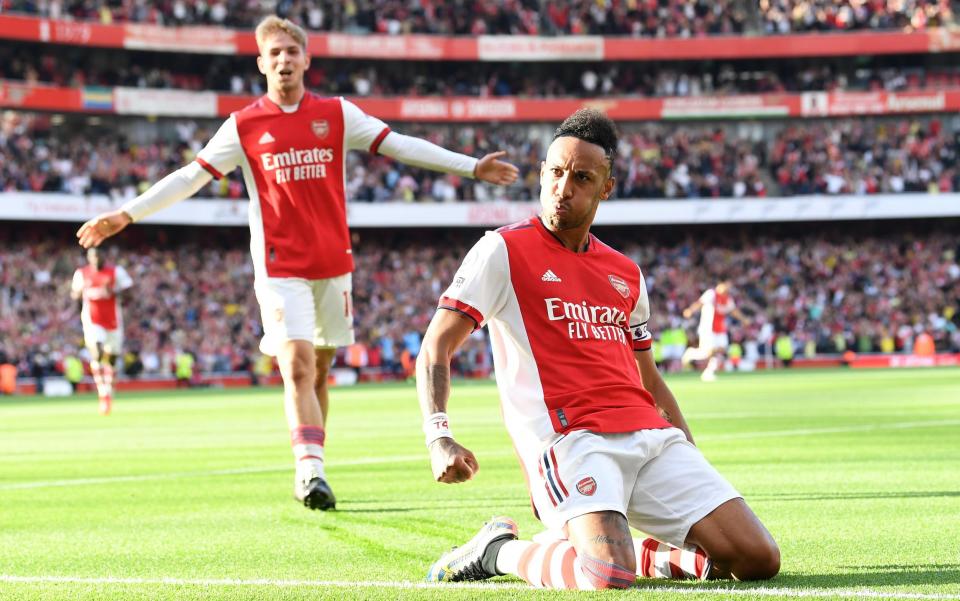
[{"x": 448, "y": 330}]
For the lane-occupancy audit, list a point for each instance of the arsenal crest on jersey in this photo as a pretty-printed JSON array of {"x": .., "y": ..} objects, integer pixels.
[
  {"x": 320, "y": 127},
  {"x": 587, "y": 486},
  {"x": 619, "y": 285}
]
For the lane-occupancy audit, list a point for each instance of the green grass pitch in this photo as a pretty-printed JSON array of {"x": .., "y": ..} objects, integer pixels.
[{"x": 188, "y": 495}]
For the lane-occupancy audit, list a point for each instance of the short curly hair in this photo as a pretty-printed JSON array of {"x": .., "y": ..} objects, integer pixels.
[{"x": 590, "y": 125}]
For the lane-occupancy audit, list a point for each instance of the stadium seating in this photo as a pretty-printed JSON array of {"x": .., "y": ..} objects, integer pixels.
[
  {"x": 705, "y": 113},
  {"x": 837, "y": 289}
]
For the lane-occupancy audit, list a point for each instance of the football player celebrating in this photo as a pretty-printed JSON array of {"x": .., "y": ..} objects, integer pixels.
[
  {"x": 291, "y": 145},
  {"x": 601, "y": 439},
  {"x": 97, "y": 285},
  {"x": 714, "y": 306}
]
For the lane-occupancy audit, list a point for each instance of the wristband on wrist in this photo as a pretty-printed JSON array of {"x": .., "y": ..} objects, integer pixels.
[{"x": 436, "y": 426}]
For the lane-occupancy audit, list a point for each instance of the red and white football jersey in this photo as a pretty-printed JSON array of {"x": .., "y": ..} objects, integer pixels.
[
  {"x": 294, "y": 167},
  {"x": 99, "y": 289},
  {"x": 714, "y": 311},
  {"x": 564, "y": 327}
]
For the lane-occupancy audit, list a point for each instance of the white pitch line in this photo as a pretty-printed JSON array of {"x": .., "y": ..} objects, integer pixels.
[{"x": 400, "y": 584}]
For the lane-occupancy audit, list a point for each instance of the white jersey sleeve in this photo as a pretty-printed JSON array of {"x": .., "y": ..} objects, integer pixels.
[
  {"x": 223, "y": 153},
  {"x": 122, "y": 279},
  {"x": 479, "y": 289},
  {"x": 709, "y": 297},
  {"x": 639, "y": 333},
  {"x": 362, "y": 131},
  {"x": 76, "y": 286}
]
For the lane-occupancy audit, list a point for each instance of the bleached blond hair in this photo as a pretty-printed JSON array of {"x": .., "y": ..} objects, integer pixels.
[{"x": 274, "y": 24}]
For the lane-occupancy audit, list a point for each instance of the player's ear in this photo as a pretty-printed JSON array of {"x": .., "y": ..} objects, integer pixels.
[
  {"x": 608, "y": 188},
  {"x": 260, "y": 66},
  {"x": 306, "y": 60}
]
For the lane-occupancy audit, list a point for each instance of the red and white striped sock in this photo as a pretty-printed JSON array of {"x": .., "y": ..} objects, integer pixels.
[
  {"x": 556, "y": 565},
  {"x": 660, "y": 560},
  {"x": 107, "y": 379},
  {"x": 97, "y": 372},
  {"x": 307, "y": 443}
]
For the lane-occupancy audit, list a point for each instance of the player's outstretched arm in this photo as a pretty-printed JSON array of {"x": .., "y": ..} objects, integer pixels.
[
  {"x": 740, "y": 315},
  {"x": 450, "y": 461},
  {"x": 101, "y": 227},
  {"x": 418, "y": 152},
  {"x": 689, "y": 311},
  {"x": 494, "y": 171},
  {"x": 179, "y": 185},
  {"x": 662, "y": 396}
]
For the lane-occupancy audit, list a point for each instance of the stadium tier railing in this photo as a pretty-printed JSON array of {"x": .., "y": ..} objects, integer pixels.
[
  {"x": 215, "y": 40},
  {"x": 184, "y": 103},
  {"x": 49, "y": 207}
]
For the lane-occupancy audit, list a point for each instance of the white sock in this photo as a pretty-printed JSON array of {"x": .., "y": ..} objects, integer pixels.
[
  {"x": 508, "y": 559},
  {"x": 711, "y": 366}
]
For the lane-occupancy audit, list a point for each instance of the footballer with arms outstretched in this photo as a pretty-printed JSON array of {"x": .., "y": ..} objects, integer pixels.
[
  {"x": 98, "y": 286},
  {"x": 291, "y": 145},
  {"x": 714, "y": 306},
  {"x": 601, "y": 440}
]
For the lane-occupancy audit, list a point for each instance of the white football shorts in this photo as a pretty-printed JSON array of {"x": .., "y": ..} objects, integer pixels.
[
  {"x": 710, "y": 341},
  {"x": 110, "y": 340},
  {"x": 318, "y": 311},
  {"x": 656, "y": 478}
]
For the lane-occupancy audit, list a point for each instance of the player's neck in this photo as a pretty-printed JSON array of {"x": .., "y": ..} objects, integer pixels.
[
  {"x": 286, "y": 97},
  {"x": 574, "y": 239}
]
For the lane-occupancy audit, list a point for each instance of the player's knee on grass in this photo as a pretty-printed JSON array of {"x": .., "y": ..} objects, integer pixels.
[
  {"x": 737, "y": 543},
  {"x": 761, "y": 561},
  {"x": 604, "y": 545},
  {"x": 752, "y": 557}
]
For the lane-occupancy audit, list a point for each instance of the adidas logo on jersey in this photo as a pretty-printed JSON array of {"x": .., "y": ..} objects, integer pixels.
[
  {"x": 549, "y": 276},
  {"x": 266, "y": 138}
]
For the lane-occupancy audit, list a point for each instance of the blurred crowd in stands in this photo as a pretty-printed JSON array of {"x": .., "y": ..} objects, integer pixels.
[
  {"x": 790, "y": 16},
  {"x": 656, "y": 160},
  {"x": 663, "y": 18},
  {"x": 647, "y": 18},
  {"x": 841, "y": 289},
  {"x": 35, "y": 63}
]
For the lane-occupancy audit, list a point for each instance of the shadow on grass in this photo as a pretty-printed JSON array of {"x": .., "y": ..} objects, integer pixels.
[
  {"x": 866, "y": 577},
  {"x": 478, "y": 505},
  {"x": 821, "y": 496},
  {"x": 507, "y": 499}
]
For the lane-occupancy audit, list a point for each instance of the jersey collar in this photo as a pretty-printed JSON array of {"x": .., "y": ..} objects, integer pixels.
[{"x": 552, "y": 238}]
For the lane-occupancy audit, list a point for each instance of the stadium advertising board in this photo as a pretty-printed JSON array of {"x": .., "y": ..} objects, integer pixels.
[
  {"x": 185, "y": 103},
  {"x": 836, "y": 104},
  {"x": 711, "y": 107},
  {"x": 205, "y": 40},
  {"x": 410, "y": 47},
  {"x": 31, "y": 206},
  {"x": 40, "y": 97},
  {"x": 533, "y": 48},
  {"x": 172, "y": 103},
  {"x": 485, "y": 48}
]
